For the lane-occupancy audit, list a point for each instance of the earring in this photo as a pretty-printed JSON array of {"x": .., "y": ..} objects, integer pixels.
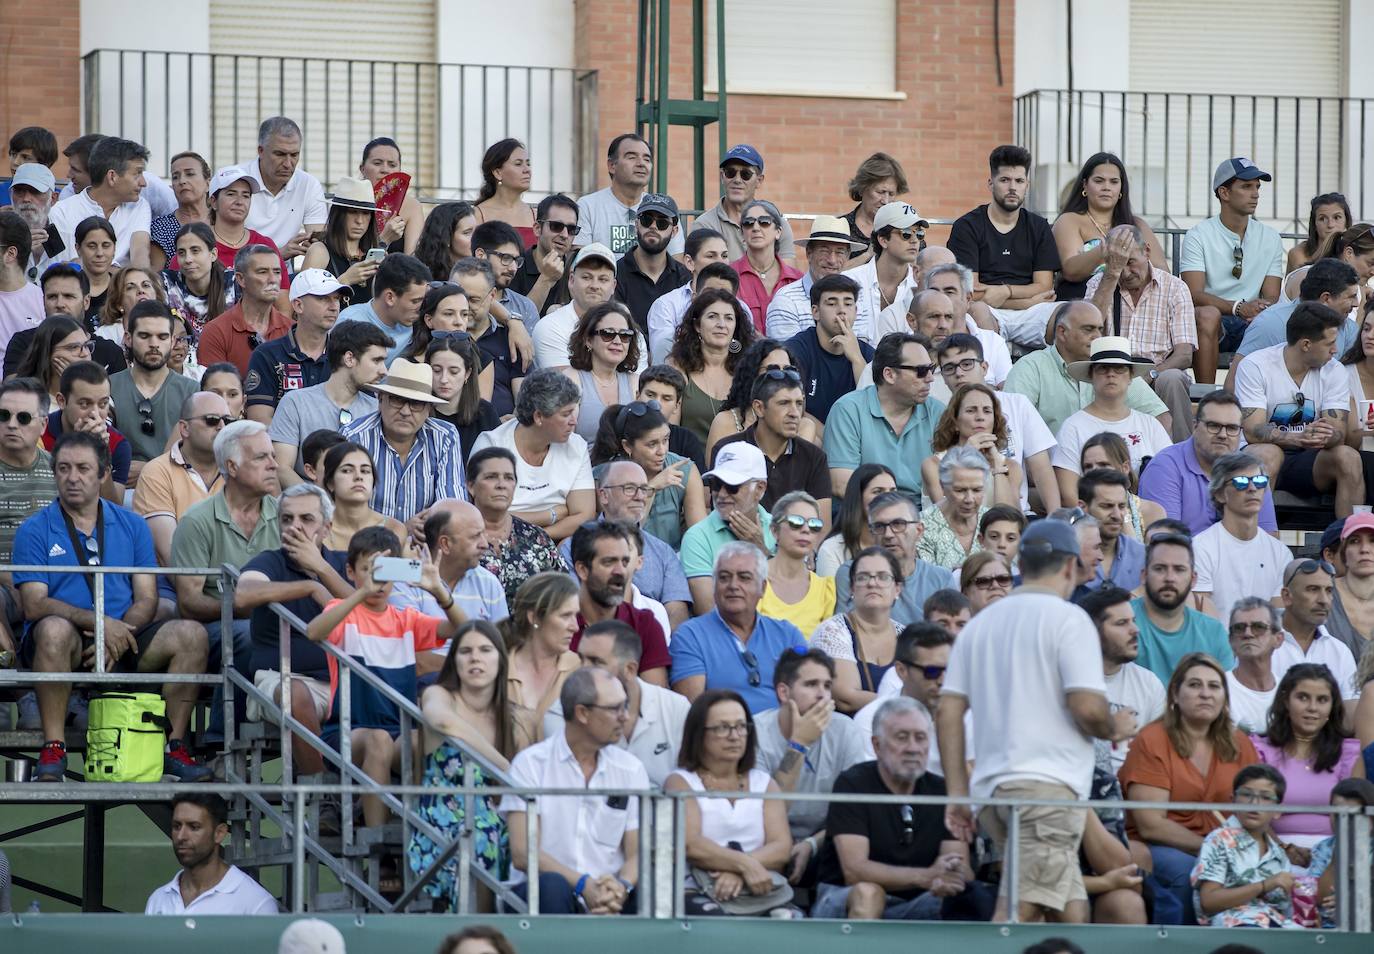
[
  {"x": 1084, "y": 193},
  {"x": 735, "y": 346}
]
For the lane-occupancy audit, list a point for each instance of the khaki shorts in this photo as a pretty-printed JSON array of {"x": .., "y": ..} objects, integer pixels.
[
  {"x": 268, "y": 680},
  {"x": 1049, "y": 875}
]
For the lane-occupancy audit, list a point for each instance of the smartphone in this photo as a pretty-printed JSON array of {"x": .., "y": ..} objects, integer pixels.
[
  {"x": 375, "y": 255},
  {"x": 396, "y": 570}
]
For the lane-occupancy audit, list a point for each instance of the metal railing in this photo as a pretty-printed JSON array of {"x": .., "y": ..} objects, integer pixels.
[
  {"x": 444, "y": 115},
  {"x": 1171, "y": 143}
]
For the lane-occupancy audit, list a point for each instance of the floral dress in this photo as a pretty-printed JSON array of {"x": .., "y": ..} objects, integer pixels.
[
  {"x": 528, "y": 551},
  {"x": 1232, "y": 858},
  {"x": 939, "y": 546},
  {"x": 491, "y": 841}
]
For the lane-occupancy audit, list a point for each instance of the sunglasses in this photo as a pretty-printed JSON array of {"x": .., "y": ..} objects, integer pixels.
[
  {"x": 1239, "y": 256},
  {"x": 623, "y": 335},
  {"x": 92, "y": 552},
  {"x": 145, "y": 412},
  {"x": 23, "y": 418},
  {"x": 796, "y": 521},
  {"x": 637, "y": 408},
  {"x": 345, "y": 416},
  {"x": 920, "y": 370},
  {"x": 558, "y": 228},
  {"x": 909, "y": 234},
  {"x": 1259, "y": 482},
  {"x": 651, "y": 220},
  {"x": 253, "y": 340},
  {"x": 908, "y": 825},
  {"x": 716, "y": 485},
  {"x": 743, "y": 173},
  {"x": 1259, "y": 629},
  {"x": 450, "y": 335},
  {"x": 1306, "y": 567},
  {"x": 988, "y": 582},
  {"x": 762, "y": 221},
  {"x": 782, "y": 374},
  {"x": 215, "y": 420},
  {"x": 751, "y": 665}
]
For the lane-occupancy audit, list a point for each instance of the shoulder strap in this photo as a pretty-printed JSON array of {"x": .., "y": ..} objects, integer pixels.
[{"x": 1116, "y": 310}]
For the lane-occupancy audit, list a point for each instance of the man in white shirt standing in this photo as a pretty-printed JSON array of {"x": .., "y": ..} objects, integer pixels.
[
  {"x": 654, "y": 718},
  {"x": 1129, "y": 686},
  {"x": 1030, "y": 668},
  {"x": 116, "y": 193},
  {"x": 589, "y": 845},
  {"x": 290, "y": 207},
  {"x": 205, "y": 884},
  {"x": 1255, "y": 632},
  {"x": 1295, "y": 401},
  {"x": 1307, "y": 588}
]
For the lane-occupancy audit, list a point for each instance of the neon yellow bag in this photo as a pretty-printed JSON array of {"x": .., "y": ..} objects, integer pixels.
[{"x": 126, "y": 735}]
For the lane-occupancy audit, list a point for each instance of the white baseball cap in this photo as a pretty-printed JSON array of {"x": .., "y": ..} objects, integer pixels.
[
  {"x": 228, "y": 175},
  {"x": 739, "y": 462},
  {"x": 316, "y": 281},
  {"x": 311, "y": 936},
  {"x": 36, "y": 176},
  {"x": 595, "y": 250},
  {"x": 899, "y": 215}
]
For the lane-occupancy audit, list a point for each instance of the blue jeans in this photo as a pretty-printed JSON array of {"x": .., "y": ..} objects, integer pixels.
[
  {"x": 242, "y": 652},
  {"x": 1232, "y": 330},
  {"x": 1172, "y": 890},
  {"x": 975, "y": 903},
  {"x": 556, "y": 896}
]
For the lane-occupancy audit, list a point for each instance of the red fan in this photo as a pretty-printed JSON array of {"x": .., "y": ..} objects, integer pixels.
[{"x": 390, "y": 191}]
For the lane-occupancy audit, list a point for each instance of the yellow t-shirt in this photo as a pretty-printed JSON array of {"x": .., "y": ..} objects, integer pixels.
[{"x": 815, "y": 608}]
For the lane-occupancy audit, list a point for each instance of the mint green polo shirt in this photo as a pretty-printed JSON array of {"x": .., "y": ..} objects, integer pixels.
[
  {"x": 1044, "y": 378},
  {"x": 857, "y": 432},
  {"x": 701, "y": 542},
  {"x": 207, "y": 536}
]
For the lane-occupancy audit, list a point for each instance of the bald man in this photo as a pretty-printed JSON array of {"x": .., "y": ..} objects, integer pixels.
[{"x": 456, "y": 538}]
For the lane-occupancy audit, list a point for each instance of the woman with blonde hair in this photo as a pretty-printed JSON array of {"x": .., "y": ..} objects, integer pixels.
[
  {"x": 794, "y": 592},
  {"x": 539, "y": 632}
]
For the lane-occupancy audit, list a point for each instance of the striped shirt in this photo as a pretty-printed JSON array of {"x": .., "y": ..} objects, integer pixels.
[
  {"x": 1161, "y": 319},
  {"x": 432, "y": 471}
]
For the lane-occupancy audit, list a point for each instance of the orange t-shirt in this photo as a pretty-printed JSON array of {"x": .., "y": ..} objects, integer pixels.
[
  {"x": 226, "y": 338},
  {"x": 1153, "y": 761}
]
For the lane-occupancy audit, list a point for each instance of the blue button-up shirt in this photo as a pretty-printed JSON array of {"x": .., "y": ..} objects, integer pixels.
[
  {"x": 432, "y": 471},
  {"x": 1128, "y": 566}
]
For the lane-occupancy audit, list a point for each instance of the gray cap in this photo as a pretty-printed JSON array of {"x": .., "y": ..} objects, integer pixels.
[
  {"x": 1237, "y": 168},
  {"x": 1050, "y": 536},
  {"x": 658, "y": 202}
]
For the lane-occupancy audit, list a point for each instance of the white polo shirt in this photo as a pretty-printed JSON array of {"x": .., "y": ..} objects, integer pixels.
[
  {"x": 657, "y": 733},
  {"x": 128, "y": 220},
  {"x": 1326, "y": 650},
  {"x": 870, "y": 303},
  {"x": 236, "y": 893},
  {"x": 585, "y": 833},
  {"x": 281, "y": 217}
]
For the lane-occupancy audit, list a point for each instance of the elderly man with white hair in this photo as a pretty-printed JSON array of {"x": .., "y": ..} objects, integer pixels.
[
  {"x": 733, "y": 646},
  {"x": 232, "y": 526},
  {"x": 31, "y": 197}
]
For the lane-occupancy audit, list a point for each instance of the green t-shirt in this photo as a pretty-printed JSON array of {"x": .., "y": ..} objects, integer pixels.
[{"x": 1160, "y": 651}]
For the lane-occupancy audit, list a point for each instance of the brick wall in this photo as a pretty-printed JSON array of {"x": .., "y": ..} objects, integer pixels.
[
  {"x": 40, "y": 50},
  {"x": 953, "y": 115}
]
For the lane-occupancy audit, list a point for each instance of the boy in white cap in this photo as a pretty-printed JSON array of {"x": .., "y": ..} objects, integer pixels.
[
  {"x": 888, "y": 279},
  {"x": 311, "y": 936}
]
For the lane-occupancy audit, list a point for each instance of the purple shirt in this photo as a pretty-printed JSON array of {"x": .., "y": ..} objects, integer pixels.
[{"x": 1174, "y": 480}]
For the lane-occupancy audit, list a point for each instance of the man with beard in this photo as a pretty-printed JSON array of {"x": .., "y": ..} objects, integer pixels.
[
  {"x": 1011, "y": 251},
  {"x": 1169, "y": 628},
  {"x": 646, "y": 272},
  {"x": 1129, "y": 685},
  {"x": 31, "y": 197},
  {"x": 21, "y": 302},
  {"x": 205, "y": 884},
  {"x": 500, "y": 245},
  {"x": 542, "y": 276},
  {"x": 602, "y": 556},
  {"x": 1177, "y": 477},
  {"x": 147, "y": 396}
]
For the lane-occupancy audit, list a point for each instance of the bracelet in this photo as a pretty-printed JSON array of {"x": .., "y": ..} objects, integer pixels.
[
  {"x": 815, "y": 845},
  {"x": 1235, "y": 305},
  {"x": 553, "y": 516},
  {"x": 449, "y": 605},
  {"x": 581, "y": 885},
  {"x": 798, "y": 747}
]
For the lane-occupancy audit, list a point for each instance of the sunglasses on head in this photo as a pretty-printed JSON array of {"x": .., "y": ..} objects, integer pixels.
[
  {"x": 637, "y": 408},
  {"x": 1306, "y": 567},
  {"x": 762, "y": 221},
  {"x": 22, "y": 418},
  {"x": 624, "y": 335},
  {"x": 652, "y": 220},
  {"x": 782, "y": 374},
  {"x": 557, "y": 228},
  {"x": 744, "y": 173},
  {"x": 796, "y": 521}
]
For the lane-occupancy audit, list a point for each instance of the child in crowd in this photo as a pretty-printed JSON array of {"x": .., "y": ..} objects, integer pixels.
[
  {"x": 1354, "y": 793},
  {"x": 1241, "y": 878}
]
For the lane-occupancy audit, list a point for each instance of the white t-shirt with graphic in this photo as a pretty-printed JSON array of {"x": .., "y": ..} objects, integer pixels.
[
  {"x": 1143, "y": 434},
  {"x": 1263, "y": 381}
]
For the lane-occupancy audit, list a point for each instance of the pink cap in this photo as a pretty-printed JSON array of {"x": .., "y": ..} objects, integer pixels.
[{"x": 1356, "y": 522}]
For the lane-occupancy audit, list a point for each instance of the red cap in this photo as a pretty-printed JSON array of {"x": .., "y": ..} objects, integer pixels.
[{"x": 1356, "y": 522}]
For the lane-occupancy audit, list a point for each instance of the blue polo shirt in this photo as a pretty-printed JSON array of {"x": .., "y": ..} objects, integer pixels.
[
  {"x": 856, "y": 432},
  {"x": 43, "y": 539},
  {"x": 706, "y": 646},
  {"x": 278, "y": 366}
]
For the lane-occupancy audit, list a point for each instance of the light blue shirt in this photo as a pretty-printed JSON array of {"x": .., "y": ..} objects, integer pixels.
[
  {"x": 701, "y": 541},
  {"x": 1128, "y": 566},
  {"x": 479, "y": 594},
  {"x": 857, "y": 432},
  {"x": 520, "y": 306},
  {"x": 1270, "y": 327},
  {"x": 924, "y": 580},
  {"x": 400, "y": 335},
  {"x": 1161, "y": 651},
  {"x": 1210, "y": 247},
  {"x": 706, "y": 646}
]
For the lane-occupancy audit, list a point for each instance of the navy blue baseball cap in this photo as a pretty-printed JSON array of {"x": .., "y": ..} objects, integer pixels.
[
  {"x": 1050, "y": 536},
  {"x": 1237, "y": 168},
  {"x": 746, "y": 154}
]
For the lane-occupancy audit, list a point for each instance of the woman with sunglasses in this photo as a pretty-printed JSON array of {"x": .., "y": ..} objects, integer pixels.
[
  {"x": 1192, "y": 754},
  {"x": 739, "y": 846},
  {"x": 793, "y": 592},
  {"x": 974, "y": 419},
  {"x": 452, "y": 359},
  {"x": 851, "y": 526},
  {"x": 863, "y": 640},
  {"x": 707, "y": 349},
  {"x": 181, "y": 356},
  {"x": 56, "y": 343},
  {"x": 984, "y": 579},
  {"x": 130, "y": 285},
  {"x": 1110, "y": 450},
  {"x": 761, "y": 271},
  {"x": 603, "y": 353},
  {"x": 349, "y": 479},
  {"x": 639, "y": 432},
  {"x": 95, "y": 249},
  {"x": 737, "y": 413},
  {"x": 505, "y": 180}
]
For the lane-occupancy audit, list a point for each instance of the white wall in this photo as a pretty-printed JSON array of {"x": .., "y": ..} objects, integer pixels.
[{"x": 171, "y": 109}]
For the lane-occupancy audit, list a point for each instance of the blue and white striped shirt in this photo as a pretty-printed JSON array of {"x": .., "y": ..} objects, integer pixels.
[{"x": 432, "y": 471}]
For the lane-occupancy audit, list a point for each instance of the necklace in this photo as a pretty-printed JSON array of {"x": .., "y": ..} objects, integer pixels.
[
  {"x": 243, "y": 237},
  {"x": 1098, "y": 225}
]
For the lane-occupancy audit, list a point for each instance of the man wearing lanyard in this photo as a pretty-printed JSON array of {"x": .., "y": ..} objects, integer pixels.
[{"x": 80, "y": 529}]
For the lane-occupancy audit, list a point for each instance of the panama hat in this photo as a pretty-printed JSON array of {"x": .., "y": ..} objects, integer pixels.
[
  {"x": 410, "y": 380},
  {"x": 831, "y": 228},
  {"x": 352, "y": 193},
  {"x": 1109, "y": 350}
]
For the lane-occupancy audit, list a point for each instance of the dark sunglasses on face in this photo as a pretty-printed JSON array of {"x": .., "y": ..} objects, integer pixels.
[
  {"x": 920, "y": 370},
  {"x": 716, "y": 485},
  {"x": 988, "y": 582},
  {"x": 624, "y": 335},
  {"x": 796, "y": 521},
  {"x": 651, "y": 220},
  {"x": 762, "y": 221},
  {"x": 743, "y": 173},
  {"x": 214, "y": 420},
  {"x": 557, "y": 228},
  {"x": 927, "y": 672},
  {"x": 1259, "y": 629},
  {"x": 909, "y": 234},
  {"x": 23, "y": 418}
]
